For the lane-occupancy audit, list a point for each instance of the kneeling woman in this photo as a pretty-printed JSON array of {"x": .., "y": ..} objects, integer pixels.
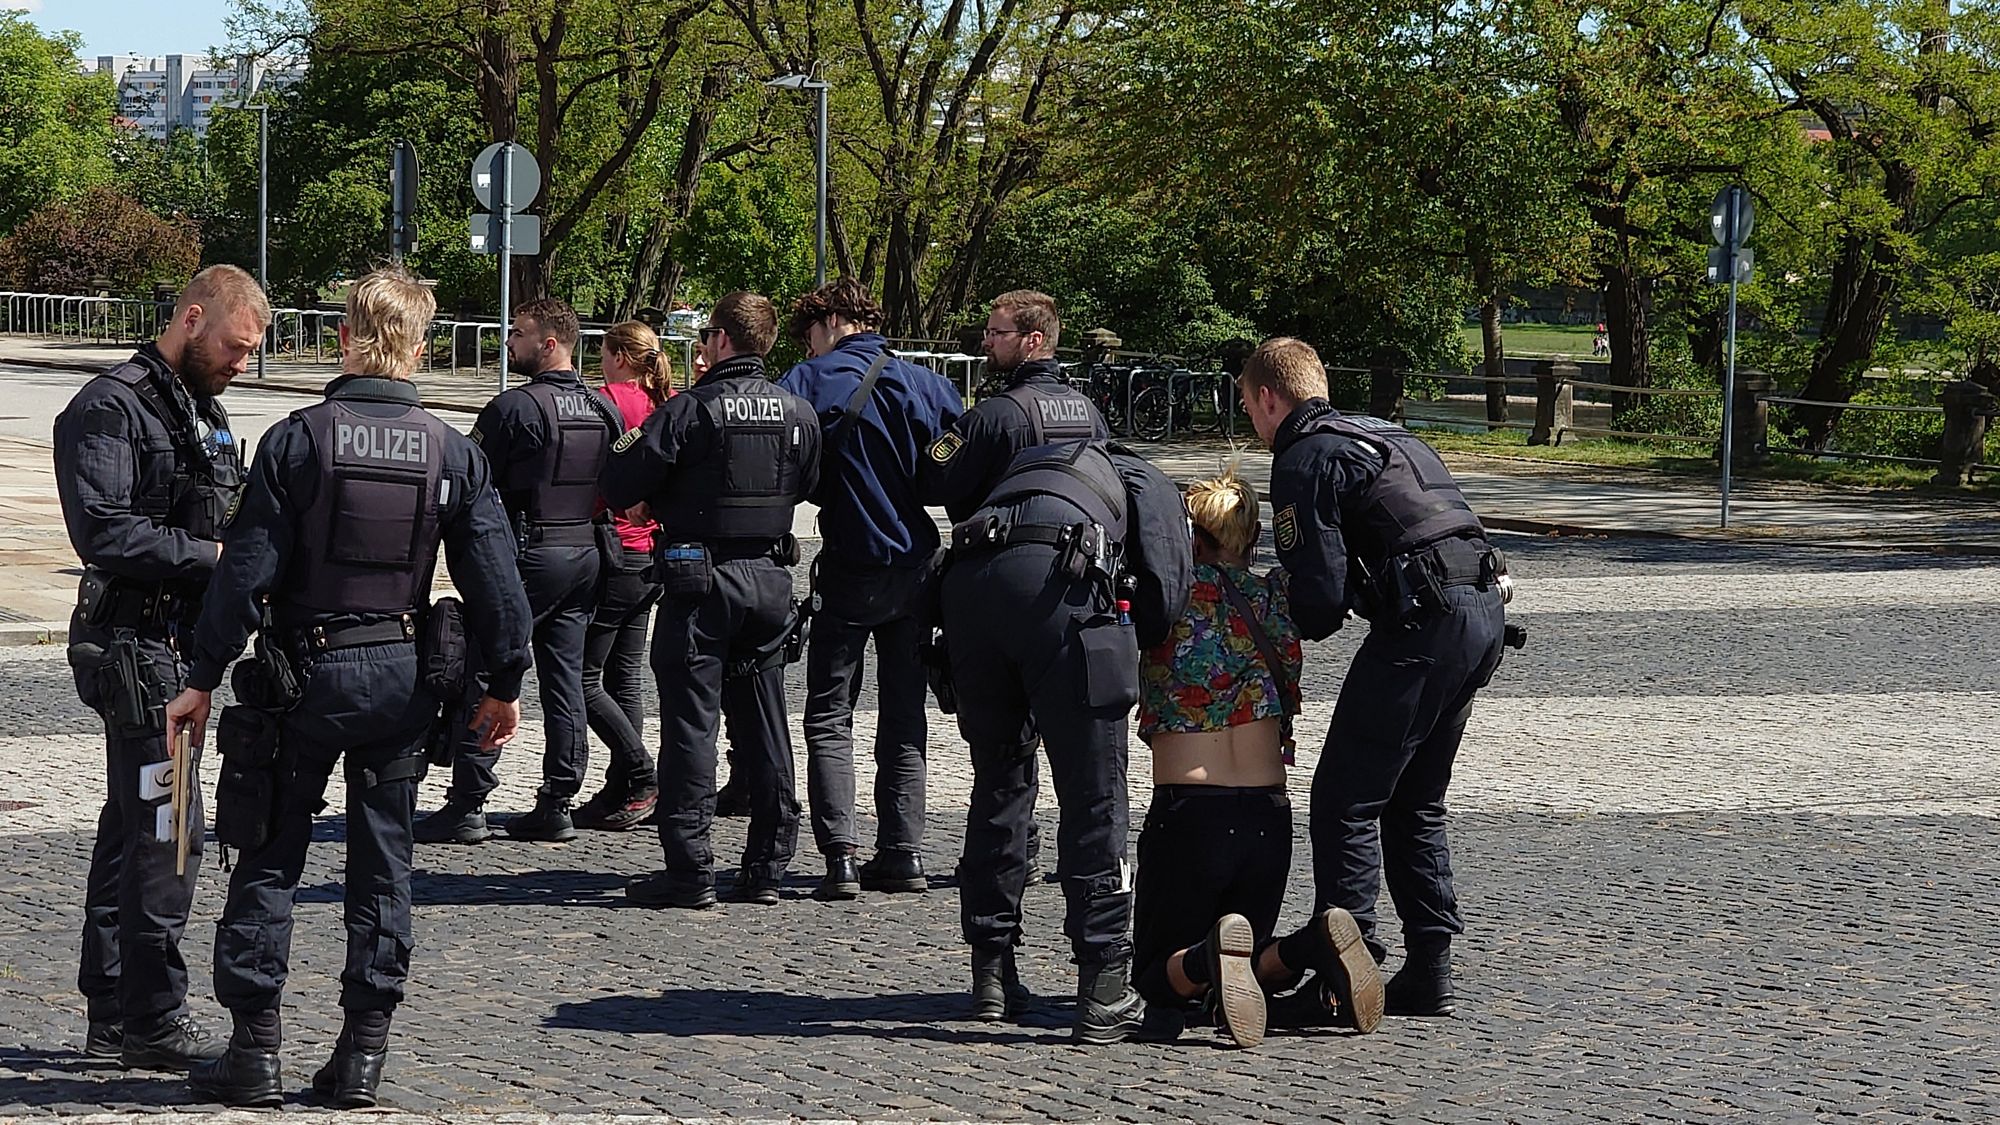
[{"x": 1215, "y": 853}]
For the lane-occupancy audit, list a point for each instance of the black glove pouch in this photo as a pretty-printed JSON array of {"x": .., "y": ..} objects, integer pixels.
[
  {"x": 684, "y": 570},
  {"x": 246, "y": 787}
]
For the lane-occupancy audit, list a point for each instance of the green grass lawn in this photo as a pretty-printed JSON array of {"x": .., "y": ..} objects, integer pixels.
[
  {"x": 1536, "y": 339},
  {"x": 1698, "y": 461}
]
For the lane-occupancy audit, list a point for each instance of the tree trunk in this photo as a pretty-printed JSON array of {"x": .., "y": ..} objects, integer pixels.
[
  {"x": 1625, "y": 300},
  {"x": 1492, "y": 346}
]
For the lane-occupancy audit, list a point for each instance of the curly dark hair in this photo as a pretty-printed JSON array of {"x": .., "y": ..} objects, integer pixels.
[{"x": 846, "y": 298}]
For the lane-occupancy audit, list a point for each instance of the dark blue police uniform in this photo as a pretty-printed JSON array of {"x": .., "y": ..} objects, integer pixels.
[
  {"x": 1039, "y": 645},
  {"x": 347, "y": 503},
  {"x": 1367, "y": 517},
  {"x": 147, "y": 474},
  {"x": 723, "y": 466},
  {"x": 876, "y": 548},
  {"x": 1037, "y": 407},
  {"x": 547, "y": 441}
]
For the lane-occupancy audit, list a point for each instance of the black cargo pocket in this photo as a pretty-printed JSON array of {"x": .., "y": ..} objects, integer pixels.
[
  {"x": 683, "y": 570},
  {"x": 1110, "y": 665},
  {"x": 246, "y": 785}
]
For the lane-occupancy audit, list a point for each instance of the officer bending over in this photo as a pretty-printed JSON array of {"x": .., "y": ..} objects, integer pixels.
[
  {"x": 338, "y": 535},
  {"x": 546, "y": 441},
  {"x": 878, "y": 416},
  {"x": 722, "y": 466},
  {"x": 147, "y": 471},
  {"x": 1366, "y": 517}
]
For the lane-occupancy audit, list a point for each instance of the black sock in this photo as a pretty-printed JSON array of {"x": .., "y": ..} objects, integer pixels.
[
  {"x": 366, "y": 1030},
  {"x": 1194, "y": 963},
  {"x": 257, "y": 1030},
  {"x": 1296, "y": 949}
]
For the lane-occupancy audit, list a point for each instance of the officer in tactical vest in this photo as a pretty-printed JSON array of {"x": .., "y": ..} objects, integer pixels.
[
  {"x": 1041, "y": 642},
  {"x": 1366, "y": 517},
  {"x": 147, "y": 471},
  {"x": 547, "y": 442},
  {"x": 1038, "y": 407},
  {"x": 331, "y": 558},
  {"x": 722, "y": 467}
]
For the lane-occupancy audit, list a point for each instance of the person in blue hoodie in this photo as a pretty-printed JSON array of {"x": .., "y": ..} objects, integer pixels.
[{"x": 878, "y": 414}]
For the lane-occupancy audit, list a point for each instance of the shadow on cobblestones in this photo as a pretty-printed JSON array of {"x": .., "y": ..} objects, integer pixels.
[{"x": 730, "y": 1011}]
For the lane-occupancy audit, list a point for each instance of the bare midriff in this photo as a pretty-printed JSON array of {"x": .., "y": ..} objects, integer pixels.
[{"x": 1251, "y": 754}]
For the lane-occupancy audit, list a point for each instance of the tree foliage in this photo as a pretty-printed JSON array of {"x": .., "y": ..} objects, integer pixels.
[
  {"x": 55, "y": 123},
  {"x": 103, "y": 239}
]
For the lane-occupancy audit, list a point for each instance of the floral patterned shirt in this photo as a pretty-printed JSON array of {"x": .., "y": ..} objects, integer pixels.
[{"x": 1208, "y": 675}]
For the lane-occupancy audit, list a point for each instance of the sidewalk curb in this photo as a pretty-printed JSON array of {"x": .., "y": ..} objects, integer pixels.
[
  {"x": 252, "y": 384},
  {"x": 28, "y": 634},
  {"x": 1721, "y": 538}
]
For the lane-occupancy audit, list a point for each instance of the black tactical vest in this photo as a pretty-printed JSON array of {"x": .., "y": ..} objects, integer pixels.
[
  {"x": 1057, "y": 413},
  {"x": 368, "y": 543},
  {"x": 559, "y": 484},
  {"x": 1079, "y": 472},
  {"x": 1413, "y": 503},
  {"x": 747, "y": 484},
  {"x": 208, "y": 464}
]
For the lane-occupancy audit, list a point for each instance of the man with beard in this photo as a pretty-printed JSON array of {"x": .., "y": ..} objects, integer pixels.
[
  {"x": 148, "y": 473},
  {"x": 546, "y": 441}
]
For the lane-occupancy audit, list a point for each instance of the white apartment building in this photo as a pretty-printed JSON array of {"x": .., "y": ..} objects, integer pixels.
[{"x": 159, "y": 95}]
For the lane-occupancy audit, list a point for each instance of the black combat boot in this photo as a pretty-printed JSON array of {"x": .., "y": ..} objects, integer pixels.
[
  {"x": 759, "y": 890},
  {"x": 458, "y": 822},
  {"x": 351, "y": 1077},
  {"x": 1341, "y": 959},
  {"x": 1422, "y": 987},
  {"x": 248, "y": 1073},
  {"x": 664, "y": 888},
  {"x": 1107, "y": 1009},
  {"x": 997, "y": 991},
  {"x": 549, "y": 823},
  {"x": 733, "y": 799},
  {"x": 105, "y": 1039},
  {"x": 895, "y": 873},
  {"x": 843, "y": 878},
  {"x": 175, "y": 1044}
]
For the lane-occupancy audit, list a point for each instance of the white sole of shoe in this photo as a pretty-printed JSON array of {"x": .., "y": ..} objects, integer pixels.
[
  {"x": 1364, "y": 978},
  {"x": 1240, "y": 999}
]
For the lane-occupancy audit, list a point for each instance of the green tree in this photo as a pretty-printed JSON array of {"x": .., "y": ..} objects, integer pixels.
[
  {"x": 102, "y": 239},
  {"x": 55, "y": 123}
]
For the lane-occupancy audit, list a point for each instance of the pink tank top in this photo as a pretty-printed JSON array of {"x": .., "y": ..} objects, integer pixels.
[{"x": 633, "y": 406}]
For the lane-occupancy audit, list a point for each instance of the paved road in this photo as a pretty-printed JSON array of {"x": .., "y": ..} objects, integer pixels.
[{"x": 1725, "y": 836}]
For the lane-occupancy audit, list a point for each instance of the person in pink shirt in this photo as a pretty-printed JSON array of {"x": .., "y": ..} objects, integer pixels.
[{"x": 637, "y": 379}]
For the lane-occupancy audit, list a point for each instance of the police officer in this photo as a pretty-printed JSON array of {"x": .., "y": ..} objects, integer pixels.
[
  {"x": 1040, "y": 642},
  {"x": 147, "y": 471},
  {"x": 1366, "y": 517},
  {"x": 878, "y": 415},
  {"x": 722, "y": 467},
  {"x": 547, "y": 441},
  {"x": 346, "y": 505},
  {"x": 1036, "y": 408}
]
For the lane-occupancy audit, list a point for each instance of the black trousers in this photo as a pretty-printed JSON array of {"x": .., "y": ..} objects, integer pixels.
[
  {"x": 858, "y": 602},
  {"x": 134, "y": 906},
  {"x": 362, "y": 707},
  {"x": 1378, "y": 795},
  {"x": 614, "y": 671},
  {"x": 1206, "y": 851},
  {"x": 745, "y": 616},
  {"x": 562, "y": 591},
  {"x": 1033, "y": 651}
]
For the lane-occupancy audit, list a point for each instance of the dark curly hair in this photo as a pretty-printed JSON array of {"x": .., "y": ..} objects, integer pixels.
[{"x": 846, "y": 298}]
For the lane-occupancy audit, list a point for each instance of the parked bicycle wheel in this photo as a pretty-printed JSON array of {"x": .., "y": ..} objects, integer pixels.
[{"x": 1150, "y": 413}]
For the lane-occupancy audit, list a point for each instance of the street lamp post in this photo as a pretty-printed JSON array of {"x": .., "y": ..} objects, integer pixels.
[
  {"x": 263, "y": 219},
  {"x": 819, "y": 88}
]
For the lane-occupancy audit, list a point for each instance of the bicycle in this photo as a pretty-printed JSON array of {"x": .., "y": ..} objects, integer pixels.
[{"x": 1168, "y": 400}]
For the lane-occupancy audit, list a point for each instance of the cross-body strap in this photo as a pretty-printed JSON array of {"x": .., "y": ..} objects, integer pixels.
[
  {"x": 854, "y": 405},
  {"x": 1265, "y": 645}
]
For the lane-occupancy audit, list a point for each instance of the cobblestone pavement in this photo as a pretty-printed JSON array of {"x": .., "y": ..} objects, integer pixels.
[{"x": 1725, "y": 837}]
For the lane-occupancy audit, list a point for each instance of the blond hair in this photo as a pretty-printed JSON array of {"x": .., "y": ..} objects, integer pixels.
[
  {"x": 221, "y": 290},
  {"x": 639, "y": 345},
  {"x": 388, "y": 315},
  {"x": 1224, "y": 509},
  {"x": 1287, "y": 365}
]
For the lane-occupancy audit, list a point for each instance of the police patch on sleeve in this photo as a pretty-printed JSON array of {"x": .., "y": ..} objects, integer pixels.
[
  {"x": 626, "y": 439},
  {"x": 1285, "y": 527},
  {"x": 945, "y": 447}
]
